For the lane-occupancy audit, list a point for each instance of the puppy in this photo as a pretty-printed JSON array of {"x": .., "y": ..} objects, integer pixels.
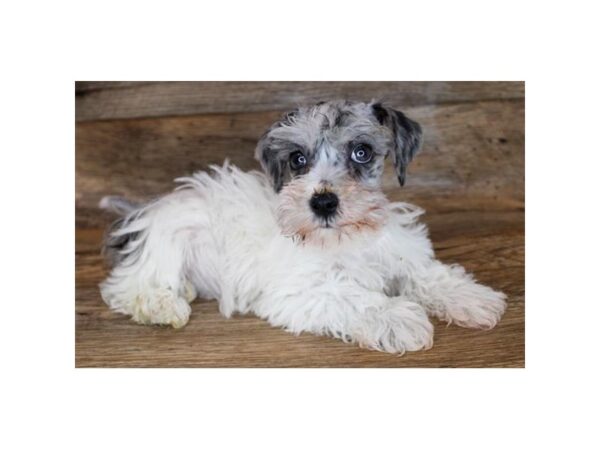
[{"x": 312, "y": 246}]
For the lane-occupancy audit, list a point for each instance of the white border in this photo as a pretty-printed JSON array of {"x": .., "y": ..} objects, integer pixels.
[{"x": 48, "y": 45}]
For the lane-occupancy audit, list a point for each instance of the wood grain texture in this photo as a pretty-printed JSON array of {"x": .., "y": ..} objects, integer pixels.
[
  {"x": 469, "y": 177},
  {"x": 121, "y": 100}
]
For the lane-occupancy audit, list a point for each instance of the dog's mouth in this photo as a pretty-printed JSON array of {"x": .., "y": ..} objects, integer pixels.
[
  {"x": 327, "y": 222},
  {"x": 338, "y": 222},
  {"x": 333, "y": 230}
]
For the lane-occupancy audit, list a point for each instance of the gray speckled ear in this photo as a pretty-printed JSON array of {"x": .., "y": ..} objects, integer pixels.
[
  {"x": 268, "y": 156},
  {"x": 407, "y": 136},
  {"x": 270, "y": 162}
]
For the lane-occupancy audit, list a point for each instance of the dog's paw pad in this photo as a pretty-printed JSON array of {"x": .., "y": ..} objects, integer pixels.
[
  {"x": 404, "y": 327},
  {"x": 481, "y": 307},
  {"x": 189, "y": 292},
  {"x": 161, "y": 307}
]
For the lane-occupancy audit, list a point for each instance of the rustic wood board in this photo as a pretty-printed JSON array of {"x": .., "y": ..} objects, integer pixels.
[
  {"x": 494, "y": 251},
  {"x": 121, "y": 100},
  {"x": 469, "y": 176}
]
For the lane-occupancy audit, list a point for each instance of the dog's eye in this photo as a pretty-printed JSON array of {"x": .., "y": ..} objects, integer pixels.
[
  {"x": 362, "y": 153},
  {"x": 297, "y": 160}
]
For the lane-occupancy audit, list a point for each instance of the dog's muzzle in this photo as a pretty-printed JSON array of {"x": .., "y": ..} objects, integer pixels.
[{"x": 324, "y": 204}]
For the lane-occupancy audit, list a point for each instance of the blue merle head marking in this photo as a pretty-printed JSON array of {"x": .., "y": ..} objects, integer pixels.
[
  {"x": 330, "y": 135},
  {"x": 326, "y": 162},
  {"x": 408, "y": 137}
]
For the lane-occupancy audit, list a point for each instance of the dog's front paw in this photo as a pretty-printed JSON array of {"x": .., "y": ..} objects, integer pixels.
[
  {"x": 162, "y": 307},
  {"x": 477, "y": 306},
  {"x": 189, "y": 292},
  {"x": 400, "y": 328}
]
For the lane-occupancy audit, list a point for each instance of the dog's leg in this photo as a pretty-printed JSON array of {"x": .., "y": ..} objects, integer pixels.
[
  {"x": 397, "y": 327},
  {"x": 371, "y": 319},
  {"x": 149, "y": 294},
  {"x": 148, "y": 282},
  {"x": 451, "y": 294}
]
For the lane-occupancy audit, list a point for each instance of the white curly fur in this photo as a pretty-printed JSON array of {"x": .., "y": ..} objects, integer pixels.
[{"x": 218, "y": 236}]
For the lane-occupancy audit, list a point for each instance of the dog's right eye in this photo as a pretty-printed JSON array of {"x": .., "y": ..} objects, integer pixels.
[{"x": 297, "y": 160}]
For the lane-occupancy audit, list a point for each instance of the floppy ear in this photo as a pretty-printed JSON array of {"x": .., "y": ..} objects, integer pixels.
[
  {"x": 407, "y": 137},
  {"x": 267, "y": 153},
  {"x": 270, "y": 162}
]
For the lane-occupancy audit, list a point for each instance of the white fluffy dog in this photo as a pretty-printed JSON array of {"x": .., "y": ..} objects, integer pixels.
[{"x": 313, "y": 247}]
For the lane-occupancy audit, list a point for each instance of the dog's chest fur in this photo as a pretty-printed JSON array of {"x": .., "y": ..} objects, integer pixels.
[{"x": 238, "y": 211}]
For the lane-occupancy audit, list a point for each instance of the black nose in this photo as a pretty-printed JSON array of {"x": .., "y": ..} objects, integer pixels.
[{"x": 324, "y": 204}]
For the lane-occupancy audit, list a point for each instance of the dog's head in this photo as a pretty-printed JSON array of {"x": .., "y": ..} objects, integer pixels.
[{"x": 326, "y": 163}]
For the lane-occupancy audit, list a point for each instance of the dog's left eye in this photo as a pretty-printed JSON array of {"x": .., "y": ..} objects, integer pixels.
[
  {"x": 297, "y": 160},
  {"x": 362, "y": 153}
]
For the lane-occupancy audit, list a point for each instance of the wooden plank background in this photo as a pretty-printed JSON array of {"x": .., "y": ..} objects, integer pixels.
[
  {"x": 134, "y": 138},
  {"x": 125, "y": 100}
]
